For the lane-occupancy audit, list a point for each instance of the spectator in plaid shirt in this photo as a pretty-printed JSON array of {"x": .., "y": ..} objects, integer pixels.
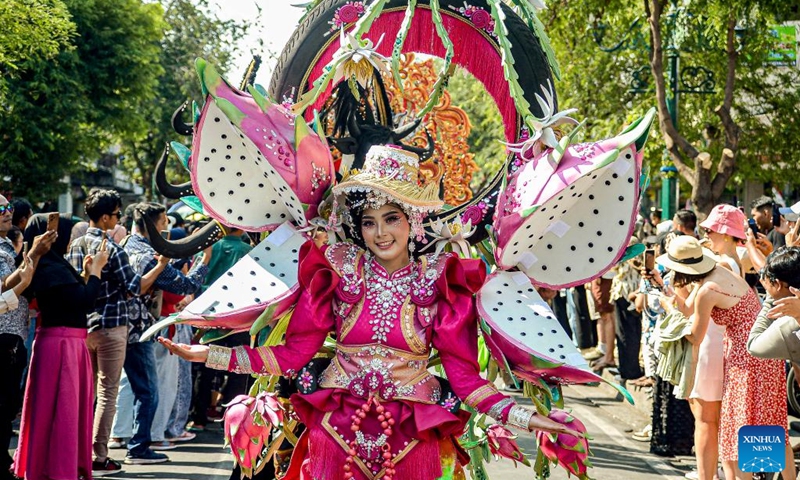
[{"x": 108, "y": 324}]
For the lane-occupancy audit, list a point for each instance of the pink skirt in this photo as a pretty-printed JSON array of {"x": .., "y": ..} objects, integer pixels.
[{"x": 55, "y": 440}]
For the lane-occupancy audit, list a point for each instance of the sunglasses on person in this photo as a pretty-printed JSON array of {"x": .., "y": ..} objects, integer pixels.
[
  {"x": 117, "y": 214},
  {"x": 6, "y": 208}
]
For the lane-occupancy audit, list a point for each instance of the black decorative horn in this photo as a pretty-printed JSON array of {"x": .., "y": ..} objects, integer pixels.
[
  {"x": 167, "y": 189},
  {"x": 423, "y": 153},
  {"x": 405, "y": 130},
  {"x": 185, "y": 247},
  {"x": 352, "y": 126},
  {"x": 177, "y": 122}
]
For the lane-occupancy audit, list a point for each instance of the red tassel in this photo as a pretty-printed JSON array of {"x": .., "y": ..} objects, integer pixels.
[
  {"x": 327, "y": 456},
  {"x": 471, "y": 50},
  {"x": 421, "y": 463}
]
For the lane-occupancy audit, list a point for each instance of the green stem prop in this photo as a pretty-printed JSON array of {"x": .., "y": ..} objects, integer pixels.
[
  {"x": 401, "y": 40},
  {"x": 514, "y": 88},
  {"x": 447, "y": 68}
]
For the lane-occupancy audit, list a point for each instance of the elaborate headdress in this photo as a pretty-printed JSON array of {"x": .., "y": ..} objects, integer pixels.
[{"x": 391, "y": 175}]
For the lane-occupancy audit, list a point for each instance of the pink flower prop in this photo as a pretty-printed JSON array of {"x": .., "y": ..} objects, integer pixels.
[
  {"x": 502, "y": 442},
  {"x": 569, "y": 451},
  {"x": 248, "y": 422}
]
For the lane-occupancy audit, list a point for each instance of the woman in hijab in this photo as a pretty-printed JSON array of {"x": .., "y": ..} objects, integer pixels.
[{"x": 56, "y": 432}]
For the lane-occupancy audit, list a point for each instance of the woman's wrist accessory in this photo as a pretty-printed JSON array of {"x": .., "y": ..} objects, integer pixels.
[
  {"x": 219, "y": 358},
  {"x": 496, "y": 412},
  {"x": 520, "y": 417}
]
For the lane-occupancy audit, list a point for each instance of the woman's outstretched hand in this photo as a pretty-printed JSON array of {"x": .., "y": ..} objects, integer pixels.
[
  {"x": 546, "y": 424},
  {"x": 193, "y": 353}
]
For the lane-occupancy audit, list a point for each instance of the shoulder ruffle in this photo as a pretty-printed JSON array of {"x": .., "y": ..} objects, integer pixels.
[
  {"x": 446, "y": 276},
  {"x": 460, "y": 278},
  {"x": 315, "y": 269}
]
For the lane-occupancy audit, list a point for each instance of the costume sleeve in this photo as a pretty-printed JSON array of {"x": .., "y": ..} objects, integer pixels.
[
  {"x": 310, "y": 324},
  {"x": 455, "y": 336}
]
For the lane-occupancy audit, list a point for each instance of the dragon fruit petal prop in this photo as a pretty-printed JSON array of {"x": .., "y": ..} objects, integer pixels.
[
  {"x": 566, "y": 215},
  {"x": 502, "y": 442},
  {"x": 254, "y": 163},
  {"x": 521, "y": 328},
  {"x": 261, "y": 284},
  {"x": 248, "y": 422},
  {"x": 569, "y": 451},
  {"x": 263, "y": 281}
]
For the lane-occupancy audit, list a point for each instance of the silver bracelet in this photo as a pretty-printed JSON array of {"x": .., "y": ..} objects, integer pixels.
[
  {"x": 242, "y": 360},
  {"x": 219, "y": 358},
  {"x": 496, "y": 411},
  {"x": 520, "y": 417}
]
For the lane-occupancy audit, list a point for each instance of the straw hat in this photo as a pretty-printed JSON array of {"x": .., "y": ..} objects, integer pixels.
[
  {"x": 392, "y": 174},
  {"x": 686, "y": 255}
]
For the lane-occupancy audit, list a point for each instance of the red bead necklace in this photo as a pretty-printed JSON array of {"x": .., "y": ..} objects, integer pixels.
[{"x": 373, "y": 451}]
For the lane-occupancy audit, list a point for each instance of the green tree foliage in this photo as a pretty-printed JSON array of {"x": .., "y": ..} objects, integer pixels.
[
  {"x": 194, "y": 30},
  {"x": 748, "y": 125},
  {"x": 61, "y": 110},
  {"x": 32, "y": 29}
]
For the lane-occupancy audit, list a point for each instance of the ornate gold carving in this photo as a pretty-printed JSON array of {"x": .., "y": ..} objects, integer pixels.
[{"x": 448, "y": 124}]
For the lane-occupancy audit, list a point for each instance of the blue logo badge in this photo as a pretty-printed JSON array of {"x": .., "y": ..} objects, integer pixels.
[{"x": 762, "y": 448}]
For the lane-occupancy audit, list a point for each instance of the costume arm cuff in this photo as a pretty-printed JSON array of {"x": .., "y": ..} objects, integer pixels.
[
  {"x": 520, "y": 417},
  {"x": 219, "y": 358},
  {"x": 480, "y": 394},
  {"x": 500, "y": 410}
]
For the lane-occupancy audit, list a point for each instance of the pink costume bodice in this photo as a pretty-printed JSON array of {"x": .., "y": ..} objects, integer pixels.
[
  {"x": 385, "y": 327},
  {"x": 382, "y": 325}
]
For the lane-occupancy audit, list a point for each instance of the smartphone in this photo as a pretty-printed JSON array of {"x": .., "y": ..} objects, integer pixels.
[
  {"x": 52, "y": 221},
  {"x": 753, "y": 226},
  {"x": 165, "y": 234},
  {"x": 24, "y": 250},
  {"x": 649, "y": 260}
]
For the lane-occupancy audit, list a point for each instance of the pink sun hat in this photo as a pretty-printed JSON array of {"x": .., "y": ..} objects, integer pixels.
[{"x": 726, "y": 219}]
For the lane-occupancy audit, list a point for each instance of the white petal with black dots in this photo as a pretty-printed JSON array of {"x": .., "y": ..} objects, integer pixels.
[
  {"x": 511, "y": 306},
  {"x": 266, "y": 274},
  {"x": 578, "y": 233},
  {"x": 234, "y": 181}
]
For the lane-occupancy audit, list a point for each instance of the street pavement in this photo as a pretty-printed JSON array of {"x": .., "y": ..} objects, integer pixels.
[{"x": 609, "y": 421}]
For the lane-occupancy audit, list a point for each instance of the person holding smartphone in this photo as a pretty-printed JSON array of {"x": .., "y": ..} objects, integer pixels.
[
  {"x": 748, "y": 393},
  {"x": 59, "y": 393},
  {"x": 13, "y": 327},
  {"x": 767, "y": 218}
]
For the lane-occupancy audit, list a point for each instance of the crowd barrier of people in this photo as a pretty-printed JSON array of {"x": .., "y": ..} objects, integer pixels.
[{"x": 703, "y": 322}]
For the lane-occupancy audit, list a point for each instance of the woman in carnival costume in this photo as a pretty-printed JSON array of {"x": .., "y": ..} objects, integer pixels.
[{"x": 377, "y": 412}]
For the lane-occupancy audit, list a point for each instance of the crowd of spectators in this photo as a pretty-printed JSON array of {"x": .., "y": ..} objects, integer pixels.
[
  {"x": 704, "y": 326},
  {"x": 75, "y": 299}
]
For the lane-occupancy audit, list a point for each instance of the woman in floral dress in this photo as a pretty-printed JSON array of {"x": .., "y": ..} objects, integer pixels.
[
  {"x": 752, "y": 391},
  {"x": 377, "y": 411}
]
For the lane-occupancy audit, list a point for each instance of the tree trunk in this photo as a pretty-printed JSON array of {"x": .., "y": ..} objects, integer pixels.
[{"x": 695, "y": 166}]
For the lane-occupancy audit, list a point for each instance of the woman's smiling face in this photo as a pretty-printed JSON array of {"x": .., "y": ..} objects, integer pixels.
[{"x": 386, "y": 234}]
